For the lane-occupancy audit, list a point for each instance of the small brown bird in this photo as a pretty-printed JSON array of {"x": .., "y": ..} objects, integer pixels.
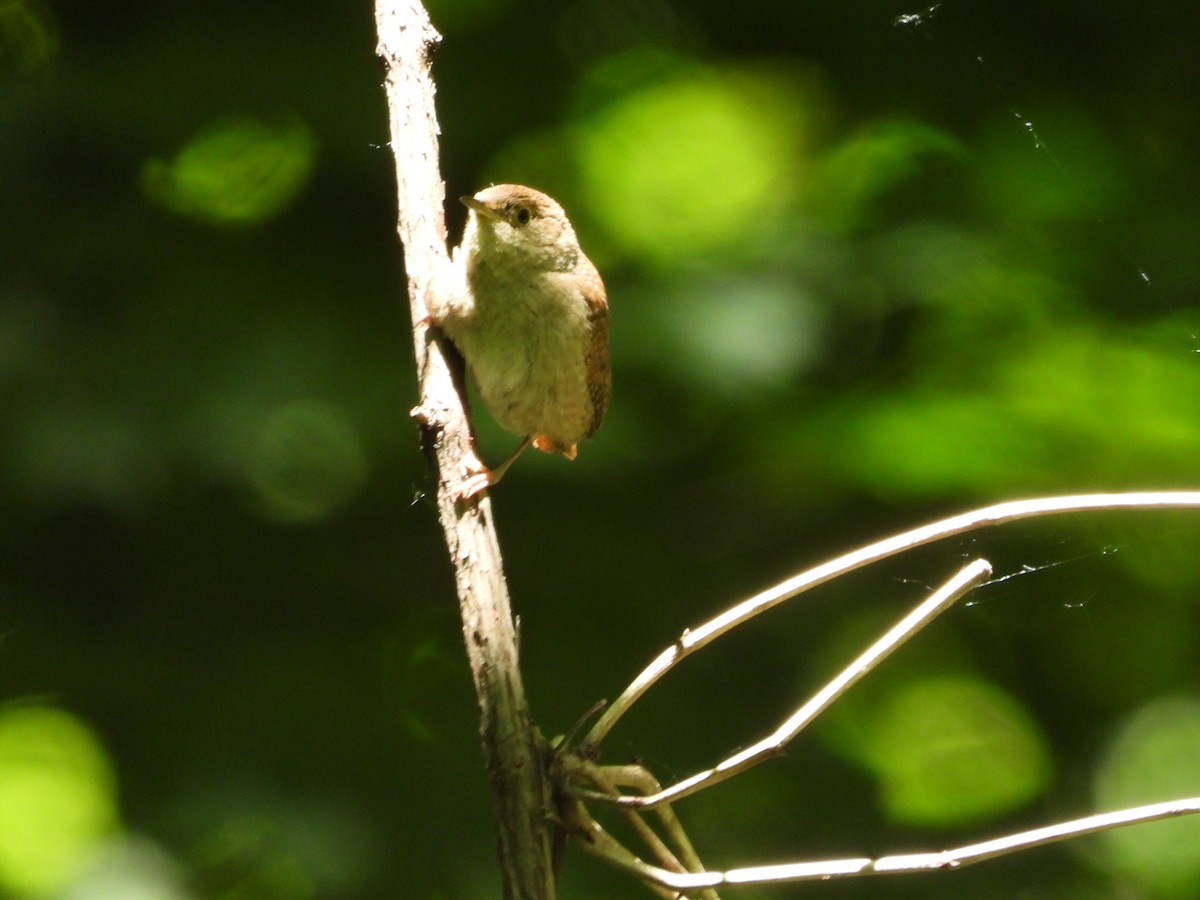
[{"x": 528, "y": 312}]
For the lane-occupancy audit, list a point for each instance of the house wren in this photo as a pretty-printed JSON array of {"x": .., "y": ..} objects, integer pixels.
[{"x": 528, "y": 312}]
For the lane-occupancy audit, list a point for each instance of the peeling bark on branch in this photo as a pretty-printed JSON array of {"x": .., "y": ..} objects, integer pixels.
[{"x": 513, "y": 751}]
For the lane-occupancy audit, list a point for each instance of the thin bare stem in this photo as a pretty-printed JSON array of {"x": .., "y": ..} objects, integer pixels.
[
  {"x": 692, "y": 640},
  {"x": 598, "y": 842},
  {"x": 916, "y": 862},
  {"x": 639, "y": 777},
  {"x": 608, "y": 778},
  {"x": 921, "y": 615},
  {"x": 602, "y": 778}
]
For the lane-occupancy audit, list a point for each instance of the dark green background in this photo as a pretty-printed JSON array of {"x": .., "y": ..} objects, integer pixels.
[{"x": 217, "y": 552}]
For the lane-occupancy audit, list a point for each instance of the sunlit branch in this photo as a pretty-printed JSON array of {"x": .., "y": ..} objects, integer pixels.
[
  {"x": 917, "y": 862},
  {"x": 937, "y": 602},
  {"x": 694, "y": 639}
]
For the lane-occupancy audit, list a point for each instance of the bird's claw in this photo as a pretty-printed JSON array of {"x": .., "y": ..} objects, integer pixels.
[{"x": 478, "y": 478}]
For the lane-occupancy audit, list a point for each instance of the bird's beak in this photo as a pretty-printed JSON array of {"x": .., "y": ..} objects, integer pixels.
[{"x": 481, "y": 208}]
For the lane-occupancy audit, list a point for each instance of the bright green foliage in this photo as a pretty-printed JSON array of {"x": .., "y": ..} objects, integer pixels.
[
  {"x": 1155, "y": 756},
  {"x": 234, "y": 172},
  {"x": 57, "y": 799},
  {"x": 952, "y": 750}
]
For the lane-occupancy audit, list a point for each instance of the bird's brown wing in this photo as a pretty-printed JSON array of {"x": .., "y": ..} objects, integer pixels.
[{"x": 597, "y": 359}]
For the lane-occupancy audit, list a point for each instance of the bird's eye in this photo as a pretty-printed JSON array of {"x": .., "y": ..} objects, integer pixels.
[{"x": 522, "y": 216}]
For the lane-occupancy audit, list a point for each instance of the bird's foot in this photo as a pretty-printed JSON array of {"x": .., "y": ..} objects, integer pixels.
[
  {"x": 478, "y": 478},
  {"x": 548, "y": 445}
]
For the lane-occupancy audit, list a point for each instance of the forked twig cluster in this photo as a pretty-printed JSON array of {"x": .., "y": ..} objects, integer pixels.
[{"x": 631, "y": 790}]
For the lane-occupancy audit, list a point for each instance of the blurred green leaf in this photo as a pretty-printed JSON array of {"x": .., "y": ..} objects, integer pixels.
[
  {"x": 234, "y": 172},
  {"x": 1155, "y": 757},
  {"x": 28, "y": 38},
  {"x": 696, "y": 164},
  {"x": 1075, "y": 407},
  {"x": 853, "y": 175},
  {"x": 57, "y": 798},
  {"x": 952, "y": 750}
]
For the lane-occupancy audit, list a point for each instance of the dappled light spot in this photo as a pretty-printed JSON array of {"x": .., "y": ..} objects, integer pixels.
[
  {"x": 1105, "y": 393},
  {"x": 853, "y": 175},
  {"x": 696, "y": 164},
  {"x": 258, "y": 844},
  {"x": 130, "y": 867},
  {"x": 1155, "y": 757},
  {"x": 57, "y": 798},
  {"x": 935, "y": 440},
  {"x": 1076, "y": 406},
  {"x": 307, "y": 462},
  {"x": 28, "y": 38},
  {"x": 738, "y": 336},
  {"x": 975, "y": 293},
  {"x": 235, "y": 172},
  {"x": 251, "y": 856},
  {"x": 951, "y": 750}
]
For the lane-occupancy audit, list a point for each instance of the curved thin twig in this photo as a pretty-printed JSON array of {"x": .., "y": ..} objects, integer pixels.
[
  {"x": 907, "y": 862},
  {"x": 940, "y": 600},
  {"x": 692, "y": 640}
]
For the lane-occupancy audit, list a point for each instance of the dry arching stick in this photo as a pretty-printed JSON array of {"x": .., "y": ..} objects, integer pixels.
[
  {"x": 693, "y": 639},
  {"x": 823, "y": 870},
  {"x": 599, "y": 843},
  {"x": 936, "y": 603}
]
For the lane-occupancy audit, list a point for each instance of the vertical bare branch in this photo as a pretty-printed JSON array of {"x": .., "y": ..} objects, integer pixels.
[{"x": 512, "y": 749}]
